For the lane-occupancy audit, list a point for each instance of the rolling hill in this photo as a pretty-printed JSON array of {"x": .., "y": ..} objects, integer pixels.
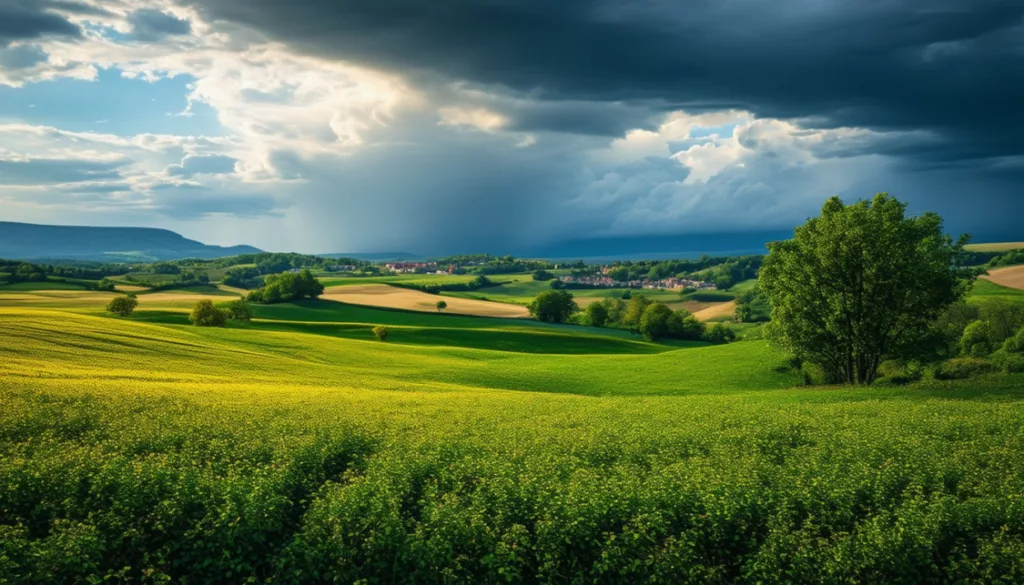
[{"x": 26, "y": 241}]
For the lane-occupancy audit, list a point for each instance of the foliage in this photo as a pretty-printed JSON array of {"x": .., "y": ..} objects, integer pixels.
[
  {"x": 542, "y": 274},
  {"x": 1015, "y": 344},
  {"x": 634, "y": 311},
  {"x": 441, "y": 305},
  {"x": 206, "y": 315},
  {"x": 286, "y": 287},
  {"x": 1009, "y": 258},
  {"x": 719, "y": 333},
  {"x": 123, "y": 305},
  {"x": 861, "y": 284},
  {"x": 105, "y": 284},
  {"x": 961, "y": 368},
  {"x": 596, "y": 314},
  {"x": 655, "y": 322},
  {"x": 479, "y": 282},
  {"x": 724, "y": 271},
  {"x": 753, "y": 307},
  {"x": 553, "y": 306},
  {"x": 381, "y": 332},
  {"x": 975, "y": 340},
  {"x": 238, "y": 311}
]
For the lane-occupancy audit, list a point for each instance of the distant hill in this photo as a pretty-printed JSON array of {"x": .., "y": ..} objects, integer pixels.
[{"x": 26, "y": 241}]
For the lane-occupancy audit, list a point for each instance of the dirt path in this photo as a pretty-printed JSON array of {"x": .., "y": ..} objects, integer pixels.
[
  {"x": 382, "y": 295},
  {"x": 1010, "y": 276}
]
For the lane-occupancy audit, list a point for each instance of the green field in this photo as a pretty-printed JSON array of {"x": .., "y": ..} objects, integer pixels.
[
  {"x": 297, "y": 448},
  {"x": 521, "y": 293},
  {"x": 985, "y": 289}
]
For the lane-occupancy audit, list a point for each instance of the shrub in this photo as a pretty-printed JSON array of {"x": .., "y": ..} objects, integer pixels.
[
  {"x": 1011, "y": 363},
  {"x": 239, "y": 311},
  {"x": 441, "y": 305},
  {"x": 974, "y": 341},
  {"x": 1015, "y": 344},
  {"x": 381, "y": 332},
  {"x": 207, "y": 315},
  {"x": 960, "y": 368},
  {"x": 542, "y": 274},
  {"x": 719, "y": 333},
  {"x": 899, "y": 372},
  {"x": 123, "y": 305}
]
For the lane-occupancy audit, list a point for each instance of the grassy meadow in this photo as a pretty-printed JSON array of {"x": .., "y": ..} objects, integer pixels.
[{"x": 296, "y": 448}]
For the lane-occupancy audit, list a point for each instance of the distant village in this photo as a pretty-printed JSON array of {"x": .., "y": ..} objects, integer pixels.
[{"x": 602, "y": 281}]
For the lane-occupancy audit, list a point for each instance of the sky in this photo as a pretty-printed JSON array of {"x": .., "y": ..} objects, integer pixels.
[{"x": 505, "y": 125}]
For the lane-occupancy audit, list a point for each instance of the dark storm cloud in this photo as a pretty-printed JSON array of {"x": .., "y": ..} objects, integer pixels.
[
  {"x": 153, "y": 25},
  {"x": 955, "y": 67},
  {"x": 31, "y": 19}
]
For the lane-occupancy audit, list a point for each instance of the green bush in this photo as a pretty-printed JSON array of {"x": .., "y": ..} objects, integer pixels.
[
  {"x": 960, "y": 368},
  {"x": 1011, "y": 363},
  {"x": 975, "y": 340},
  {"x": 899, "y": 372},
  {"x": 206, "y": 315},
  {"x": 719, "y": 333},
  {"x": 1015, "y": 344},
  {"x": 381, "y": 332}
]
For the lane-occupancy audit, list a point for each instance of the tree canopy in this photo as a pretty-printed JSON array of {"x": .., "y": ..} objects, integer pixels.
[
  {"x": 861, "y": 284},
  {"x": 289, "y": 286},
  {"x": 554, "y": 306},
  {"x": 123, "y": 305},
  {"x": 206, "y": 315}
]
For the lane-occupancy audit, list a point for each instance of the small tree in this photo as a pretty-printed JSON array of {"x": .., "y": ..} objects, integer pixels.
[
  {"x": 207, "y": 315},
  {"x": 635, "y": 311},
  {"x": 541, "y": 274},
  {"x": 123, "y": 305},
  {"x": 554, "y": 306},
  {"x": 655, "y": 323},
  {"x": 239, "y": 311},
  {"x": 862, "y": 284},
  {"x": 597, "y": 314},
  {"x": 441, "y": 306},
  {"x": 381, "y": 332}
]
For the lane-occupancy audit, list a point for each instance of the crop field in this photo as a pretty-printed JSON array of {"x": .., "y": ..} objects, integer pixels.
[
  {"x": 297, "y": 448},
  {"x": 383, "y": 295},
  {"x": 984, "y": 288},
  {"x": 995, "y": 247},
  {"x": 1009, "y": 276}
]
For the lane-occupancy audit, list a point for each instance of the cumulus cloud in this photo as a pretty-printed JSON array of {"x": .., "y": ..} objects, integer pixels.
[
  {"x": 389, "y": 125},
  {"x": 31, "y": 19},
  {"x": 202, "y": 164}
]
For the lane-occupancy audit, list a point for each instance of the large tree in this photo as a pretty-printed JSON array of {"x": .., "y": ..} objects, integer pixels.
[{"x": 861, "y": 284}]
